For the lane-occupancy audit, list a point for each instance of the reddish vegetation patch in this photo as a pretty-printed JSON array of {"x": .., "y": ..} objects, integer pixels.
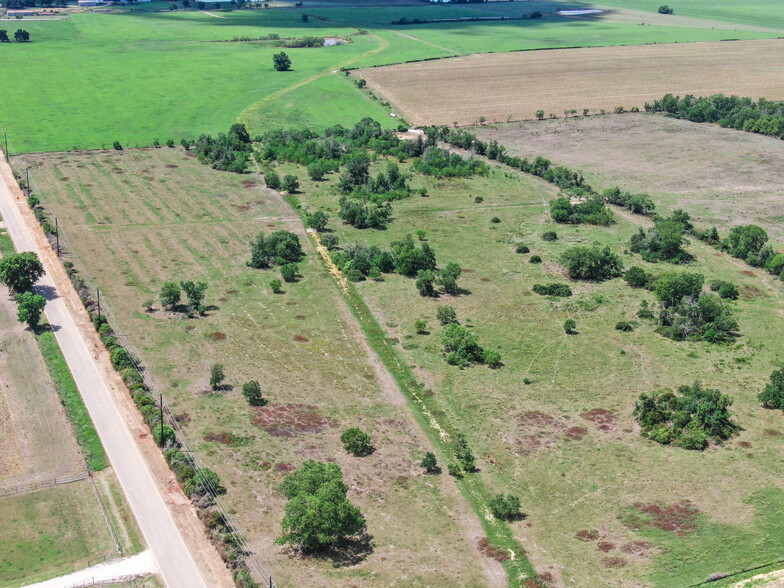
[
  {"x": 547, "y": 578},
  {"x": 489, "y": 550},
  {"x": 679, "y": 518},
  {"x": 283, "y": 467},
  {"x": 172, "y": 165},
  {"x": 613, "y": 562},
  {"x": 300, "y": 317},
  {"x": 604, "y": 418},
  {"x": 748, "y": 273},
  {"x": 369, "y": 376},
  {"x": 531, "y": 583},
  {"x": 190, "y": 327},
  {"x": 484, "y": 279},
  {"x": 183, "y": 418},
  {"x": 772, "y": 433},
  {"x": 64, "y": 179},
  {"x": 231, "y": 291},
  {"x": 586, "y": 535},
  {"x": 301, "y": 339},
  {"x": 637, "y": 548},
  {"x": 467, "y": 270},
  {"x": 223, "y": 438},
  {"x": 289, "y": 420},
  {"x": 749, "y": 292},
  {"x": 271, "y": 225},
  {"x": 744, "y": 443},
  {"x": 217, "y": 336},
  {"x": 249, "y": 183},
  {"x": 190, "y": 154},
  {"x": 576, "y": 432},
  {"x": 242, "y": 207},
  {"x": 534, "y": 417},
  {"x": 605, "y": 546}
]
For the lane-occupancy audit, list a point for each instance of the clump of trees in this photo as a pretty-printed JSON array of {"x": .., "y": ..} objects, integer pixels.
[
  {"x": 689, "y": 418},
  {"x": 364, "y": 215},
  {"x": 747, "y": 242},
  {"x": 171, "y": 294},
  {"x": 636, "y": 203},
  {"x": 773, "y": 394},
  {"x": 590, "y": 210},
  {"x": 443, "y": 164},
  {"x": 664, "y": 241},
  {"x": 554, "y": 289},
  {"x": 591, "y": 263},
  {"x": 278, "y": 248},
  {"x": 462, "y": 348},
  {"x": 228, "y": 151},
  {"x": 318, "y": 514},
  {"x": 689, "y": 313},
  {"x": 763, "y": 116}
]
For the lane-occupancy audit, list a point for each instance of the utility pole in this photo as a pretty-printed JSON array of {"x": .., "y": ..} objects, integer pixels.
[
  {"x": 161, "y": 403},
  {"x": 57, "y": 236},
  {"x": 6, "y": 146},
  {"x": 27, "y": 183},
  {"x": 98, "y": 290}
]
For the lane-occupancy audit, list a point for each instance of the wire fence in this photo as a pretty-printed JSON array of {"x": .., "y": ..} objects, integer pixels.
[
  {"x": 66, "y": 249},
  {"x": 22, "y": 488}
]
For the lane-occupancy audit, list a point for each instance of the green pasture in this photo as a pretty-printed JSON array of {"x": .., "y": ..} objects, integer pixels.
[{"x": 139, "y": 76}]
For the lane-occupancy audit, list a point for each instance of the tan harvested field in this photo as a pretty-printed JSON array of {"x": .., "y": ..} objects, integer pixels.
[
  {"x": 504, "y": 87},
  {"x": 722, "y": 177},
  {"x": 37, "y": 443},
  {"x": 141, "y": 217}
]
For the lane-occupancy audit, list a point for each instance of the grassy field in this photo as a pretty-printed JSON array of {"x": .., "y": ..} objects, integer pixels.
[
  {"x": 50, "y": 532},
  {"x": 514, "y": 86},
  {"x": 146, "y": 75},
  {"x": 577, "y": 467},
  {"x": 681, "y": 164},
  {"x": 141, "y": 217}
]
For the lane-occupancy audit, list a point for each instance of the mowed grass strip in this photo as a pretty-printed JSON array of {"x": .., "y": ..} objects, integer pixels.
[
  {"x": 50, "y": 532},
  {"x": 83, "y": 427},
  {"x": 514, "y": 86}
]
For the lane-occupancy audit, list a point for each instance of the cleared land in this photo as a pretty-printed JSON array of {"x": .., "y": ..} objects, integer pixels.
[
  {"x": 165, "y": 75},
  {"x": 513, "y": 86},
  {"x": 722, "y": 177},
  {"x": 148, "y": 216},
  {"x": 567, "y": 443}
]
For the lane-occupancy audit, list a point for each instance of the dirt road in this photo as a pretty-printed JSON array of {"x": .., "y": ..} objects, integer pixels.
[{"x": 175, "y": 562}]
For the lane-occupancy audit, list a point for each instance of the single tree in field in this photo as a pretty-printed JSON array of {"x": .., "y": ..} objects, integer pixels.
[
  {"x": 252, "y": 393},
  {"x": 195, "y": 293},
  {"x": 19, "y": 271},
  {"x": 170, "y": 294},
  {"x": 217, "y": 375},
  {"x": 4, "y": 36},
  {"x": 281, "y": 61},
  {"x": 429, "y": 463},
  {"x": 569, "y": 326},
  {"x": 30, "y": 308},
  {"x": 290, "y": 183},
  {"x": 356, "y": 442}
]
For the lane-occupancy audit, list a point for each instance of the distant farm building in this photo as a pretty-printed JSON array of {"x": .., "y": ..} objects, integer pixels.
[{"x": 22, "y": 13}]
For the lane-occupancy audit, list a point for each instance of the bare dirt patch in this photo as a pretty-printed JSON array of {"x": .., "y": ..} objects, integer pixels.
[
  {"x": 613, "y": 562},
  {"x": 604, "y": 419},
  {"x": 641, "y": 548},
  {"x": 489, "y": 550},
  {"x": 224, "y": 438},
  {"x": 605, "y": 546},
  {"x": 587, "y": 535},
  {"x": 464, "y": 88},
  {"x": 301, "y": 338},
  {"x": 217, "y": 336},
  {"x": 679, "y": 518},
  {"x": 576, "y": 433},
  {"x": 291, "y": 420}
]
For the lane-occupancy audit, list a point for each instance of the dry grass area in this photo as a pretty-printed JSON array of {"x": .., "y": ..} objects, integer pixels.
[
  {"x": 37, "y": 442},
  {"x": 141, "y": 217},
  {"x": 722, "y": 177},
  {"x": 513, "y": 86}
]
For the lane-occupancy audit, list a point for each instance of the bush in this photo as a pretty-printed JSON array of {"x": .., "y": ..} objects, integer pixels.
[
  {"x": 280, "y": 247},
  {"x": 454, "y": 469},
  {"x": 569, "y": 326},
  {"x": 330, "y": 241},
  {"x": 729, "y": 291},
  {"x": 276, "y": 286},
  {"x": 429, "y": 463},
  {"x": 446, "y": 315},
  {"x": 425, "y": 281},
  {"x": 773, "y": 394},
  {"x": 463, "y": 453},
  {"x": 506, "y": 507},
  {"x": 356, "y": 442},
  {"x": 535, "y": 259},
  {"x": 121, "y": 359},
  {"x": 591, "y": 263},
  {"x": 495, "y": 220},
  {"x": 560, "y": 290},
  {"x": 461, "y": 346},
  {"x": 636, "y": 277},
  {"x": 478, "y": 200},
  {"x": 252, "y": 393},
  {"x": 420, "y": 326},
  {"x": 624, "y": 326},
  {"x": 163, "y": 436},
  {"x": 272, "y": 180},
  {"x": 550, "y": 236},
  {"x": 664, "y": 9},
  {"x": 117, "y": 146},
  {"x": 318, "y": 220},
  {"x": 491, "y": 359},
  {"x": 290, "y": 183},
  {"x": 289, "y": 272}
]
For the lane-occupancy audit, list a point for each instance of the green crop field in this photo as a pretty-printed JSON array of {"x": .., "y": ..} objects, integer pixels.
[{"x": 144, "y": 75}]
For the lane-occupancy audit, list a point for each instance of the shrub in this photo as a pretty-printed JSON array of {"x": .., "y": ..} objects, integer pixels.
[
  {"x": 535, "y": 259},
  {"x": 217, "y": 375},
  {"x": 170, "y": 143},
  {"x": 272, "y": 180},
  {"x": 560, "y": 290},
  {"x": 521, "y": 248},
  {"x": 491, "y": 359},
  {"x": 636, "y": 277},
  {"x": 117, "y": 146},
  {"x": 290, "y": 183},
  {"x": 289, "y": 272},
  {"x": 591, "y": 210},
  {"x": 446, "y": 315},
  {"x": 478, "y": 200},
  {"x": 276, "y": 286},
  {"x": 420, "y": 326},
  {"x": 550, "y": 236},
  {"x": 664, "y": 9},
  {"x": 569, "y": 326},
  {"x": 506, "y": 507},
  {"x": 163, "y": 435},
  {"x": 454, "y": 469},
  {"x": 463, "y": 453},
  {"x": 495, "y": 220},
  {"x": 728, "y": 290},
  {"x": 330, "y": 241},
  {"x": 745, "y": 241},
  {"x": 429, "y": 463},
  {"x": 460, "y": 345},
  {"x": 121, "y": 358},
  {"x": 280, "y": 247},
  {"x": 624, "y": 326},
  {"x": 772, "y": 396},
  {"x": 356, "y": 442},
  {"x": 591, "y": 263},
  {"x": 645, "y": 312},
  {"x": 252, "y": 393},
  {"x": 425, "y": 281},
  {"x": 316, "y": 171}
]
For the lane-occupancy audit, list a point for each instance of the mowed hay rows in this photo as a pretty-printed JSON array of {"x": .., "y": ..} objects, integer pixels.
[
  {"x": 192, "y": 222},
  {"x": 513, "y": 86}
]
